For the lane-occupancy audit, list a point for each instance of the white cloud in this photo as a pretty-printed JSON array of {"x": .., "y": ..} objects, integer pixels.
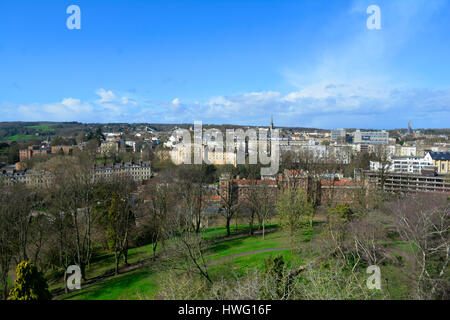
[
  {"x": 324, "y": 104},
  {"x": 105, "y": 96}
]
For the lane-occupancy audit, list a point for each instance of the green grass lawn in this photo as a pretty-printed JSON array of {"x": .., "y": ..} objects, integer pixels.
[
  {"x": 104, "y": 264},
  {"x": 143, "y": 283},
  {"x": 43, "y": 127},
  {"x": 221, "y": 232},
  {"x": 230, "y": 247},
  {"x": 21, "y": 137},
  {"x": 134, "y": 285}
]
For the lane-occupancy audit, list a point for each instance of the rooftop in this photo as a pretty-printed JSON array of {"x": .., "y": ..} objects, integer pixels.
[{"x": 440, "y": 156}]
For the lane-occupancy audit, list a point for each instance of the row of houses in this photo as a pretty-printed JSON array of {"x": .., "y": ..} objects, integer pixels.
[
  {"x": 137, "y": 171},
  {"x": 437, "y": 161}
]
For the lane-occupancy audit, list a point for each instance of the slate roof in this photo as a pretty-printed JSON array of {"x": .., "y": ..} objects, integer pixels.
[{"x": 442, "y": 156}]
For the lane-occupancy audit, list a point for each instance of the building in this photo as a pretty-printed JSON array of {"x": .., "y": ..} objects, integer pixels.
[
  {"x": 138, "y": 171},
  {"x": 32, "y": 151},
  {"x": 371, "y": 137},
  {"x": 109, "y": 147},
  {"x": 338, "y": 135},
  {"x": 207, "y": 155},
  {"x": 440, "y": 160},
  {"x": 28, "y": 177},
  {"x": 412, "y": 165},
  {"x": 402, "y": 182},
  {"x": 343, "y": 191},
  {"x": 405, "y": 151},
  {"x": 239, "y": 188},
  {"x": 65, "y": 149}
]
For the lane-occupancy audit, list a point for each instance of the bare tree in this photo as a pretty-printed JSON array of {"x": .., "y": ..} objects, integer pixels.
[
  {"x": 367, "y": 233},
  {"x": 230, "y": 204},
  {"x": 74, "y": 185},
  {"x": 266, "y": 198},
  {"x": 116, "y": 216},
  {"x": 157, "y": 210},
  {"x": 423, "y": 221}
]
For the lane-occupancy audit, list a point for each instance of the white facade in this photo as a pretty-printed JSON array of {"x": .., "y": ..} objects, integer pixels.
[{"x": 403, "y": 165}]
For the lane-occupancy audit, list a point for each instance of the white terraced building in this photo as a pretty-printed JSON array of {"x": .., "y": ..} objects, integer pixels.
[{"x": 403, "y": 165}]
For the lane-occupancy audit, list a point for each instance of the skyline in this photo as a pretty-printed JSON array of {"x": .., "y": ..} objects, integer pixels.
[{"x": 307, "y": 63}]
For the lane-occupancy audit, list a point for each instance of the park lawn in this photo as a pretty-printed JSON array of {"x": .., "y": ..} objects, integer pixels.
[
  {"x": 104, "y": 263},
  {"x": 275, "y": 239},
  {"x": 240, "y": 266},
  {"x": 43, "y": 127},
  {"x": 134, "y": 285},
  {"x": 230, "y": 247},
  {"x": 397, "y": 282},
  {"x": 21, "y": 137},
  {"x": 143, "y": 282},
  {"x": 221, "y": 232}
]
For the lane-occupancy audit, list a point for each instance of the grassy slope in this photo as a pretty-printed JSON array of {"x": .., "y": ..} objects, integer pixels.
[
  {"x": 143, "y": 283},
  {"x": 21, "y": 137}
]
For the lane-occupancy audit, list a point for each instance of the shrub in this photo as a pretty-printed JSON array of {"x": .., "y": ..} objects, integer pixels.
[{"x": 30, "y": 284}]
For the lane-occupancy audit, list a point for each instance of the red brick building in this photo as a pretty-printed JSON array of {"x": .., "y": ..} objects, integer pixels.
[
  {"x": 65, "y": 149},
  {"x": 32, "y": 151}
]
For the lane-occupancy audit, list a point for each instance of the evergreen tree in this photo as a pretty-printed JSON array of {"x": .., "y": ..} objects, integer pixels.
[{"x": 30, "y": 284}]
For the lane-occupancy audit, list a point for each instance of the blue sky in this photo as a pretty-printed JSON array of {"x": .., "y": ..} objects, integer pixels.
[{"x": 308, "y": 63}]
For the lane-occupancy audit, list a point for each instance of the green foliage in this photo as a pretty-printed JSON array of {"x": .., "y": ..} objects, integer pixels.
[
  {"x": 30, "y": 284},
  {"x": 274, "y": 266},
  {"x": 294, "y": 209},
  {"x": 340, "y": 213}
]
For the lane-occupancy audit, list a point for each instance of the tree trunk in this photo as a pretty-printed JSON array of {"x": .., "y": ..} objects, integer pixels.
[
  {"x": 264, "y": 229},
  {"x": 228, "y": 226},
  {"x": 251, "y": 223},
  {"x": 4, "y": 286},
  {"x": 154, "y": 246},
  {"x": 125, "y": 256},
  {"x": 66, "y": 290},
  {"x": 116, "y": 259},
  {"x": 83, "y": 271}
]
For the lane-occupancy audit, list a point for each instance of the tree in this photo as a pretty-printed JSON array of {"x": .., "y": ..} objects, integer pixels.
[
  {"x": 252, "y": 203},
  {"x": 193, "y": 179},
  {"x": 423, "y": 221},
  {"x": 186, "y": 252},
  {"x": 382, "y": 156},
  {"x": 261, "y": 199},
  {"x": 30, "y": 284},
  {"x": 230, "y": 204},
  {"x": 74, "y": 188},
  {"x": 116, "y": 217},
  {"x": 8, "y": 239},
  {"x": 157, "y": 211},
  {"x": 294, "y": 208},
  {"x": 335, "y": 233}
]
